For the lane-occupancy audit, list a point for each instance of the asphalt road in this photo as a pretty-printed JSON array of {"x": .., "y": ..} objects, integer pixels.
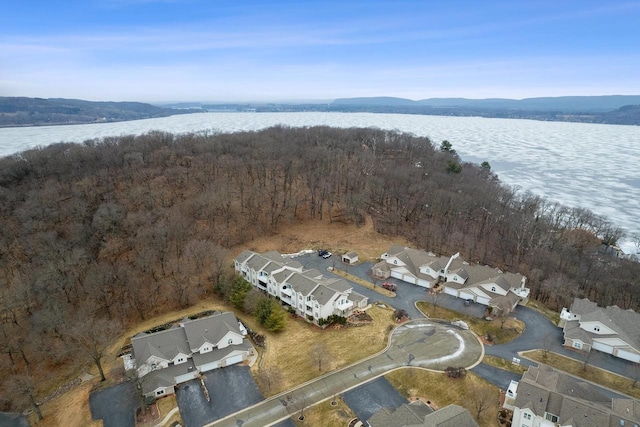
[{"x": 422, "y": 342}]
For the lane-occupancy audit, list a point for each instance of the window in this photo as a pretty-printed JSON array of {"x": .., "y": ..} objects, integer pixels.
[
  {"x": 597, "y": 329},
  {"x": 395, "y": 261},
  {"x": 493, "y": 289},
  {"x": 230, "y": 341},
  {"x": 527, "y": 416},
  {"x": 551, "y": 417},
  {"x": 159, "y": 392},
  {"x": 180, "y": 360},
  {"x": 577, "y": 345}
]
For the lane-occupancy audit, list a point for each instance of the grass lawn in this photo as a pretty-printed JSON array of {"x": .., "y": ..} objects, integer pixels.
[
  {"x": 512, "y": 327},
  {"x": 507, "y": 365},
  {"x": 443, "y": 391},
  {"x": 289, "y": 352},
  {"x": 591, "y": 373},
  {"x": 554, "y": 316},
  {"x": 325, "y": 415}
]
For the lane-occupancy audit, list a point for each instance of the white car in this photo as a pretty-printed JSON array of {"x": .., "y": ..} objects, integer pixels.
[{"x": 327, "y": 255}]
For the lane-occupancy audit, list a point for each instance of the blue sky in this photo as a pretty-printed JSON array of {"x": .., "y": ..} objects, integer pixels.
[{"x": 246, "y": 50}]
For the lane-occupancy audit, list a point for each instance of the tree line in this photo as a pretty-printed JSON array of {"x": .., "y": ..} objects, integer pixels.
[{"x": 115, "y": 230}]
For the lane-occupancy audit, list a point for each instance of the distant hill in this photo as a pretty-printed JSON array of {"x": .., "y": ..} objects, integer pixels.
[
  {"x": 567, "y": 104},
  {"x": 21, "y": 111},
  {"x": 612, "y": 109}
]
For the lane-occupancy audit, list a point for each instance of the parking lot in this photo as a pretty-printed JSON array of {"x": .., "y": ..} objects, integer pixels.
[
  {"x": 116, "y": 405},
  {"x": 230, "y": 389}
]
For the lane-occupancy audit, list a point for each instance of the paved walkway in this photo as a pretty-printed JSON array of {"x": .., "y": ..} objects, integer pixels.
[{"x": 420, "y": 343}]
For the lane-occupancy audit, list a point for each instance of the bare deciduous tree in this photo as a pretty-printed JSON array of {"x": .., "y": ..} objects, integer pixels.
[
  {"x": 91, "y": 336},
  {"x": 320, "y": 355}
]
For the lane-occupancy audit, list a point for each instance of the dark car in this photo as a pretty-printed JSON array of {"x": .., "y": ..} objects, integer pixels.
[{"x": 322, "y": 252}]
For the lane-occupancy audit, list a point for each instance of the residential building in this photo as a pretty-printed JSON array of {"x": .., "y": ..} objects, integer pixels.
[
  {"x": 547, "y": 398},
  {"x": 308, "y": 292},
  {"x": 610, "y": 329},
  {"x": 419, "y": 414},
  {"x": 479, "y": 283},
  {"x": 167, "y": 358}
]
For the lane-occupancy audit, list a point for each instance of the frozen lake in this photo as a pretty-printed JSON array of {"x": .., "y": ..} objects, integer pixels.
[{"x": 587, "y": 165}]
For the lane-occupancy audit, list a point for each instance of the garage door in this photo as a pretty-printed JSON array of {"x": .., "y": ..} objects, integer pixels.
[
  {"x": 396, "y": 274},
  {"x": 233, "y": 360},
  {"x": 602, "y": 347},
  {"x": 186, "y": 377},
  {"x": 483, "y": 300},
  {"x": 409, "y": 279},
  {"x": 451, "y": 291},
  {"x": 628, "y": 355},
  {"x": 423, "y": 283},
  {"x": 467, "y": 295},
  {"x": 210, "y": 366}
]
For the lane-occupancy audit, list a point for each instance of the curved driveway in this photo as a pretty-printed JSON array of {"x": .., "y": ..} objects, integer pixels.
[{"x": 419, "y": 343}]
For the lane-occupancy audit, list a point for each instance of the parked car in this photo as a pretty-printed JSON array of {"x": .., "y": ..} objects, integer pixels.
[
  {"x": 326, "y": 255},
  {"x": 389, "y": 286},
  {"x": 322, "y": 252}
]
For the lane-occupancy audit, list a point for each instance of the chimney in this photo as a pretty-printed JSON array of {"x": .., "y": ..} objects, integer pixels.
[{"x": 446, "y": 269}]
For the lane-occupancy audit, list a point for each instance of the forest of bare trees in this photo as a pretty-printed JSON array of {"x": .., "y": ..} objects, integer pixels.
[{"x": 98, "y": 236}]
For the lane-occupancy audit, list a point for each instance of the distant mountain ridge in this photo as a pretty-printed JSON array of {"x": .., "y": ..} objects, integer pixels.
[
  {"x": 23, "y": 111},
  {"x": 573, "y": 104}
]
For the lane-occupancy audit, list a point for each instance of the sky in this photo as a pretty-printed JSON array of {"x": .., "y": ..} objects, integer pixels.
[{"x": 260, "y": 50}]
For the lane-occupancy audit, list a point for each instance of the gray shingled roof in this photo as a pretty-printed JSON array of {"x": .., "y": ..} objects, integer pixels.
[
  {"x": 282, "y": 275},
  {"x": 338, "y": 285},
  {"x": 418, "y": 414},
  {"x": 244, "y": 255},
  {"x": 302, "y": 284},
  {"x": 356, "y": 297},
  {"x": 575, "y": 402},
  {"x": 165, "y": 377},
  {"x": 257, "y": 262},
  {"x": 164, "y": 344},
  {"x": 351, "y": 254},
  {"x": 210, "y": 329},
  {"x": 323, "y": 295},
  {"x": 623, "y": 322},
  {"x": 582, "y": 305},
  {"x": 450, "y": 416},
  {"x": 405, "y": 415},
  {"x": 218, "y": 353}
]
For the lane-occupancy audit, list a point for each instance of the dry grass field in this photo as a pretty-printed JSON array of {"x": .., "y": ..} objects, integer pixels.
[{"x": 502, "y": 333}]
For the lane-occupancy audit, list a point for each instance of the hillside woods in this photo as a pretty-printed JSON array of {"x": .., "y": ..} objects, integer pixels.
[{"x": 100, "y": 235}]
